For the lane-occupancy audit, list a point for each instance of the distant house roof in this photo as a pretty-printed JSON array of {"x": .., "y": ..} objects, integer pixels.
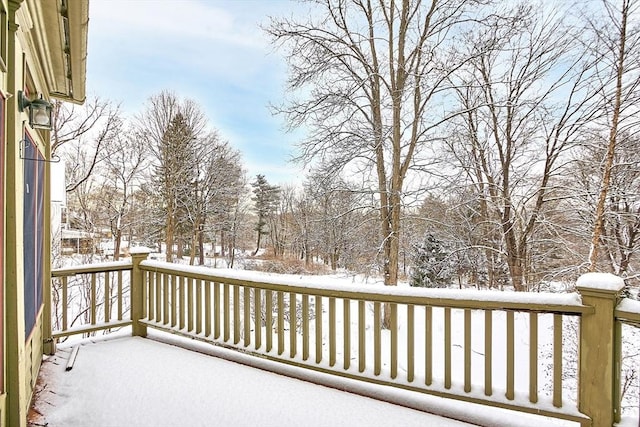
[{"x": 75, "y": 234}]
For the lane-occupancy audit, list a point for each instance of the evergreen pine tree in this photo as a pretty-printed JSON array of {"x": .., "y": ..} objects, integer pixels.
[
  {"x": 265, "y": 198},
  {"x": 431, "y": 266}
]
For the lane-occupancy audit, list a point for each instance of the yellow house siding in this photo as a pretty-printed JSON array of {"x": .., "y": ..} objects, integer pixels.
[
  {"x": 4, "y": 30},
  {"x": 34, "y": 36},
  {"x": 33, "y": 359},
  {"x": 14, "y": 294}
]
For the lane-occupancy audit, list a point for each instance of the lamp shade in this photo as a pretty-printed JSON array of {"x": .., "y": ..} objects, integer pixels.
[{"x": 40, "y": 111}]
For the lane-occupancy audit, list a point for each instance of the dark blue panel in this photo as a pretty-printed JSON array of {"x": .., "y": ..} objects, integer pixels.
[{"x": 33, "y": 236}]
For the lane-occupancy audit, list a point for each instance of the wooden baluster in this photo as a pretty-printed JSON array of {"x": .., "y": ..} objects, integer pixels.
[
  {"x": 280, "y": 322},
  {"x": 362, "y": 329},
  {"x": 346, "y": 332},
  {"x": 318, "y": 301},
  {"x": 377, "y": 339},
  {"x": 510, "y": 355},
  {"x": 467, "y": 350},
  {"x": 428, "y": 345},
  {"x": 332, "y": 331},
  {"x": 557, "y": 360},
  {"x": 410, "y": 342},
  {"x": 533, "y": 357},
  {"x": 488, "y": 346},
  {"x": 305, "y": 327}
]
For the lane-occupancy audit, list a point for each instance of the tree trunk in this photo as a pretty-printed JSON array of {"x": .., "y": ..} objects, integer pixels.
[
  {"x": 611, "y": 147},
  {"x": 192, "y": 246},
  {"x": 116, "y": 245},
  {"x": 257, "y": 244},
  {"x": 169, "y": 237},
  {"x": 201, "y": 244}
]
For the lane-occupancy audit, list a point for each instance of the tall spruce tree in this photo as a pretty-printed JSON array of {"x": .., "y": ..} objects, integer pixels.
[{"x": 265, "y": 198}]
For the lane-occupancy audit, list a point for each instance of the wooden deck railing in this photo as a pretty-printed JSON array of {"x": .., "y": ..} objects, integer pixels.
[
  {"x": 462, "y": 345},
  {"x": 90, "y": 298}
]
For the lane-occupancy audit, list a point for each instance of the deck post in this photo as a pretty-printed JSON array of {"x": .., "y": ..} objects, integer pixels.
[
  {"x": 137, "y": 295},
  {"x": 596, "y": 389}
]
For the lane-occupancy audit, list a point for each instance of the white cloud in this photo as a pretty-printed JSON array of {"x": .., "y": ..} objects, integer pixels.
[
  {"x": 196, "y": 21},
  {"x": 212, "y": 51}
]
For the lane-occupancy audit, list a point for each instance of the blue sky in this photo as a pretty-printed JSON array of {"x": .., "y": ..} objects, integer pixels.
[{"x": 211, "y": 51}]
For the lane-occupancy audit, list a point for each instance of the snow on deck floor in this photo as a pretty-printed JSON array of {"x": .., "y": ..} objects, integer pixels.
[{"x": 131, "y": 381}]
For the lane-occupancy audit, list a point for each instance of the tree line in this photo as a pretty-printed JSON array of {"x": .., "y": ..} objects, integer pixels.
[{"x": 467, "y": 141}]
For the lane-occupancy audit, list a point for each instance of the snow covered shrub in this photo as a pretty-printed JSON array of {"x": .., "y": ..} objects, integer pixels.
[{"x": 432, "y": 268}]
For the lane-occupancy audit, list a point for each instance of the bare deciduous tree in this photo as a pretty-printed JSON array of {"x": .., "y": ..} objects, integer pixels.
[
  {"x": 617, "y": 51},
  {"x": 125, "y": 158},
  {"x": 367, "y": 73},
  {"x": 170, "y": 126},
  {"x": 79, "y": 135},
  {"x": 526, "y": 92}
]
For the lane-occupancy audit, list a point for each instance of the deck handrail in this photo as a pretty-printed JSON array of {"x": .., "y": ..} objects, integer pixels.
[
  {"x": 568, "y": 304},
  {"x": 332, "y": 328},
  {"x": 628, "y": 311},
  {"x": 92, "y": 268}
]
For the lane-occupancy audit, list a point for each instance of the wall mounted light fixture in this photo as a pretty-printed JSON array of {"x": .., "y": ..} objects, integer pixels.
[{"x": 39, "y": 111}]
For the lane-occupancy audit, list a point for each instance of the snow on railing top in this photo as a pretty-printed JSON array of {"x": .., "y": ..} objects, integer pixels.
[
  {"x": 333, "y": 286},
  {"x": 600, "y": 281},
  {"x": 92, "y": 268},
  {"x": 140, "y": 250},
  {"x": 629, "y": 310}
]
